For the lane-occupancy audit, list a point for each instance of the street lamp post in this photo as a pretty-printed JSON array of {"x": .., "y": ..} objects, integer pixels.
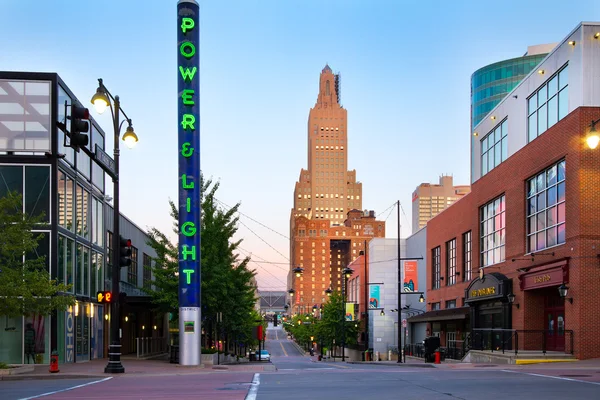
[{"x": 101, "y": 101}]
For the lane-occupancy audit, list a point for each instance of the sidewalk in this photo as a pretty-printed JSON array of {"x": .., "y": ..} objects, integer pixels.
[{"x": 134, "y": 367}]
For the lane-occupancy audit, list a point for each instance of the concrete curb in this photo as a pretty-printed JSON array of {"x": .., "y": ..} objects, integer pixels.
[{"x": 405, "y": 365}]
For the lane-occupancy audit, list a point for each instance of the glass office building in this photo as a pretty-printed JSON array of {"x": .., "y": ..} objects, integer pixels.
[{"x": 491, "y": 83}]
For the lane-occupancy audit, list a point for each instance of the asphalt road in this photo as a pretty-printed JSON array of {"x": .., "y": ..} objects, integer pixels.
[{"x": 299, "y": 377}]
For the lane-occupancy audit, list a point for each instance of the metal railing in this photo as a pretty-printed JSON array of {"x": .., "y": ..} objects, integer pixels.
[
  {"x": 149, "y": 346},
  {"x": 520, "y": 340}
]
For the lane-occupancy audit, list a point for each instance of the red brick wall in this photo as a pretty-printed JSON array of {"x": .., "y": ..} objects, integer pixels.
[{"x": 566, "y": 140}]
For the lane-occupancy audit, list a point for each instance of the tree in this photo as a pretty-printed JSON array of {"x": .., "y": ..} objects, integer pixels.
[
  {"x": 25, "y": 285},
  {"x": 330, "y": 326},
  {"x": 226, "y": 280}
]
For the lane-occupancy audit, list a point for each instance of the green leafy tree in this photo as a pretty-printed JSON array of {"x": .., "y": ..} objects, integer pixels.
[
  {"x": 333, "y": 327},
  {"x": 226, "y": 284},
  {"x": 25, "y": 285}
]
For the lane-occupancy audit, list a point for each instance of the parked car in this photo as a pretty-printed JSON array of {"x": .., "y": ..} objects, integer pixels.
[{"x": 265, "y": 356}]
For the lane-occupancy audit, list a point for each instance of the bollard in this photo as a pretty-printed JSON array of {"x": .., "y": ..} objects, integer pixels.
[
  {"x": 437, "y": 357},
  {"x": 54, "y": 362}
]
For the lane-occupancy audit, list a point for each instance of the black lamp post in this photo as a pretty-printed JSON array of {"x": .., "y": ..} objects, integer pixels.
[{"x": 101, "y": 101}]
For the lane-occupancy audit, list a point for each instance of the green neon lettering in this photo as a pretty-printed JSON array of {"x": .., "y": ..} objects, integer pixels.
[
  {"x": 188, "y": 121},
  {"x": 186, "y": 150},
  {"x": 188, "y": 229},
  {"x": 187, "y": 98},
  {"x": 188, "y": 277},
  {"x": 186, "y": 74},
  {"x": 185, "y": 184},
  {"x": 187, "y": 49},
  {"x": 185, "y": 252},
  {"x": 187, "y": 24},
  {"x": 188, "y": 205}
]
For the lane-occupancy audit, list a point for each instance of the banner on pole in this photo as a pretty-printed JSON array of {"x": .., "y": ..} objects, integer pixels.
[
  {"x": 410, "y": 276},
  {"x": 374, "y": 299}
]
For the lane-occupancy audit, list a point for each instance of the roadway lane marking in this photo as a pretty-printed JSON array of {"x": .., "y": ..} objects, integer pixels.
[
  {"x": 254, "y": 388},
  {"x": 550, "y": 376},
  {"x": 282, "y": 348},
  {"x": 276, "y": 337},
  {"x": 67, "y": 389}
]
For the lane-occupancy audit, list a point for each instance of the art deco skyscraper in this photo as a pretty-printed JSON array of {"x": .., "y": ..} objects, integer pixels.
[{"x": 327, "y": 227}]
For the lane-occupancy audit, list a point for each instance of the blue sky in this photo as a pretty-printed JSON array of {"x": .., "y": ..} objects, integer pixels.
[{"x": 405, "y": 68}]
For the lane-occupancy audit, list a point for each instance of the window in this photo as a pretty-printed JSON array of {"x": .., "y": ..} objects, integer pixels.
[
  {"x": 65, "y": 201},
  {"x": 97, "y": 222},
  {"x": 493, "y": 233},
  {"x": 109, "y": 255},
  {"x": 494, "y": 147},
  {"x": 97, "y": 171},
  {"x": 436, "y": 267},
  {"x": 132, "y": 269},
  {"x": 82, "y": 274},
  {"x": 25, "y": 116},
  {"x": 546, "y": 208},
  {"x": 97, "y": 273},
  {"x": 62, "y": 149},
  {"x": 451, "y": 262},
  {"x": 450, "y": 303},
  {"x": 435, "y": 306},
  {"x": 147, "y": 260},
  {"x": 548, "y": 105},
  {"x": 467, "y": 272},
  {"x": 30, "y": 181}
]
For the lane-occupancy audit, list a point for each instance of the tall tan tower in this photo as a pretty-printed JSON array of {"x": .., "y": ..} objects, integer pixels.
[{"x": 328, "y": 228}]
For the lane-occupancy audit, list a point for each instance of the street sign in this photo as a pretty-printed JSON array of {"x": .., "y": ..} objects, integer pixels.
[
  {"x": 107, "y": 162},
  {"x": 404, "y": 323}
]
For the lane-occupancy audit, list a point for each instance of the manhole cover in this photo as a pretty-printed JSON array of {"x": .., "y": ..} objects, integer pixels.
[{"x": 575, "y": 376}]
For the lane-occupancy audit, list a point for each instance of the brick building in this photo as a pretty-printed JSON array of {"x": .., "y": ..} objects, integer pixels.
[
  {"x": 327, "y": 226},
  {"x": 498, "y": 256}
]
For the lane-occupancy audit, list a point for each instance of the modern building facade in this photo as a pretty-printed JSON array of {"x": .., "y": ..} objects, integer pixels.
[
  {"x": 327, "y": 225},
  {"x": 529, "y": 226},
  {"x": 492, "y": 83},
  {"x": 428, "y": 200},
  {"x": 69, "y": 189}
]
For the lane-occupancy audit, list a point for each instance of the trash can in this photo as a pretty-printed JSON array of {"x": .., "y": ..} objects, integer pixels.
[
  {"x": 174, "y": 356},
  {"x": 431, "y": 344},
  {"x": 252, "y": 356}
]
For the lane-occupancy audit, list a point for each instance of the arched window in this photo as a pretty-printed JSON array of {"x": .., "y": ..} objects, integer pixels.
[{"x": 327, "y": 92}]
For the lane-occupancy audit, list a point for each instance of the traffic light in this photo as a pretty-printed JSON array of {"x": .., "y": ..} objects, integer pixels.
[
  {"x": 79, "y": 126},
  {"x": 125, "y": 245}
]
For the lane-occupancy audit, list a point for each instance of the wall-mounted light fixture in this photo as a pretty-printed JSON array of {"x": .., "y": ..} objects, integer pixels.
[
  {"x": 382, "y": 313},
  {"x": 511, "y": 299},
  {"x": 421, "y": 299},
  {"x": 493, "y": 117},
  {"x": 572, "y": 43},
  {"x": 541, "y": 71},
  {"x": 592, "y": 137},
  {"x": 475, "y": 134},
  {"x": 563, "y": 290},
  {"x": 597, "y": 35}
]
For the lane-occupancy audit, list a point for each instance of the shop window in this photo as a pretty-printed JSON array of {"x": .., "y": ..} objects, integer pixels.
[
  {"x": 467, "y": 265},
  {"x": 546, "y": 212},
  {"x": 451, "y": 262},
  {"x": 436, "y": 267},
  {"x": 25, "y": 116},
  {"x": 548, "y": 104},
  {"x": 33, "y": 183},
  {"x": 493, "y": 232},
  {"x": 132, "y": 270}
]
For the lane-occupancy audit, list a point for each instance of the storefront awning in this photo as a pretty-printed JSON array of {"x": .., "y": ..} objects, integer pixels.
[{"x": 448, "y": 314}]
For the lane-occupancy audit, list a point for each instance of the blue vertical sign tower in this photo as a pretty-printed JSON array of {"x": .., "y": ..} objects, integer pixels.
[{"x": 188, "y": 152}]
